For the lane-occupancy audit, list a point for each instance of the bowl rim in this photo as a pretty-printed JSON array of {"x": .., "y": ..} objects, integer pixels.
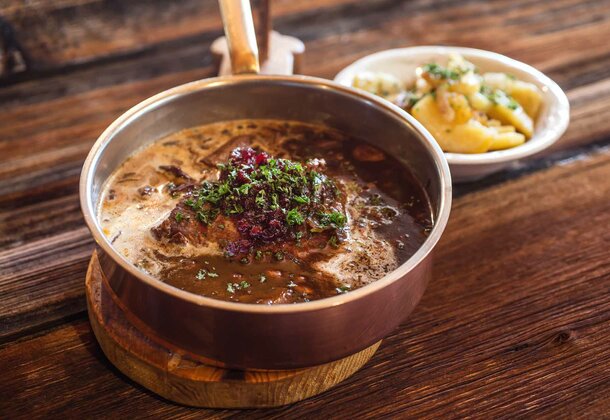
[
  {"x": 90, "y": 211},
  {"x": 543, "y": 139}
]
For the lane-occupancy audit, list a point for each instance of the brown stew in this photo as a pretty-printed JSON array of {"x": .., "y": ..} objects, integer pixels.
[{"x": 264, "y": 211}]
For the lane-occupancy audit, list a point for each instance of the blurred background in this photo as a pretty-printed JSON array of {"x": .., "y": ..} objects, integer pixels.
[{"x": 156, "y": 37}]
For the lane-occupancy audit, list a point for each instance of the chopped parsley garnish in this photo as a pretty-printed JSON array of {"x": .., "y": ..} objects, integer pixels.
[
  {"x": 334, "y": 219},
  {"x": 179, "y": 217},
  {"x": 486, "y": 90},
  {"x": 375, "y": 200},
  {"x": 268, "y": 199},
  {"x": 233, "y": 287},
  {"x": 206, "y": 216},
  {"x": 344, "y": 288},
  {"x": 440, "y": 72},
  {"x": 333, "y": 241},
  {"x": 201, "y": 274},
  {"x": 294, "y": 217},
  {"x": 500, "y": 97},
  {"x": 261, "y": 198}
]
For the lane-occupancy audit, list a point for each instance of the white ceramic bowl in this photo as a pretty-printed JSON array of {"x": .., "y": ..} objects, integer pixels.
[{"x": 550, "y": 124}]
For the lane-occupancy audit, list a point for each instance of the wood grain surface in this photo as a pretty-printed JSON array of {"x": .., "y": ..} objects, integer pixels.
[{"x": 515, "y": 322}]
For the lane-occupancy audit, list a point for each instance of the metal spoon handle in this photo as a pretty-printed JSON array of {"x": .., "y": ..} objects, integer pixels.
[{"x": 241, "y": 38}]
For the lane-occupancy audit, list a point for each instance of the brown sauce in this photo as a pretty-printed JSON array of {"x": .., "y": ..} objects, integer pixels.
[{"x": 143, "y": 212}]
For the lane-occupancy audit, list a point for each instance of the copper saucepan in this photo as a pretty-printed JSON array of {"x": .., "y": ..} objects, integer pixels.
[{"x": 259, "y": 336}]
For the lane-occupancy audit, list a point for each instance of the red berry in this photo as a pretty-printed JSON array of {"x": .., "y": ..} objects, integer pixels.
[
  {"x": 256, "y": 230},
  {"x": 242, "y": 178},
  {"x": 261, "y": 159}
]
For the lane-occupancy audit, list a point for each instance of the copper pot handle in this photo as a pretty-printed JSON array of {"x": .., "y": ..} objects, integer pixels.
[{"x": 241, "y": 38}]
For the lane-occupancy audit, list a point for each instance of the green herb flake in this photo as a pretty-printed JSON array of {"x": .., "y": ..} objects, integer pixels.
[
  {"x": 244, "y": 285},
  {"x": 207, "y": 216},
  {"x": 499, "y": 97},
  {"x": 179, "y": 217},
  {"x": 279, "y": 255},
  {"x": 335, "y": 219},
  {"x": 294, "y": 217},
  {"x": 274, "y": 202},
  {"x": 244, "y": 189},
  {"x": 231, "y": 287},
  {"x": 201, "y": 274},
  {"x": 375, "y": 200},
  {"x": 440, "y": 72},
  {"x": 261, "y": 198},
  {"x": 344, "y": 288},
  {"x": 213, "y": 275},
  {"x": 333, "y": 242}
]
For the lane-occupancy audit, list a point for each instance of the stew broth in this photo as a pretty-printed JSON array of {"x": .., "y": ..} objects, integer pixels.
[{"x": 264, "y": 211}]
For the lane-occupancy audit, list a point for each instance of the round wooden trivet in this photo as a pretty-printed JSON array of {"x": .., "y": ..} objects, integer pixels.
[{"x": 185, "y": 378}]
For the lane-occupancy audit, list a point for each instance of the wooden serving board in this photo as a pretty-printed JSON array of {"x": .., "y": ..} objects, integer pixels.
[{"x": 185, "y": 378}]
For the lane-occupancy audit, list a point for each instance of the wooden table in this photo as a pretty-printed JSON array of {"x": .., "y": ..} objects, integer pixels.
[{"x": 517, "y": 319}]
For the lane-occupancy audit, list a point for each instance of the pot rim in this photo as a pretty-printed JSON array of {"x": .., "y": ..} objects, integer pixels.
[{"x": 89, "y": 208}]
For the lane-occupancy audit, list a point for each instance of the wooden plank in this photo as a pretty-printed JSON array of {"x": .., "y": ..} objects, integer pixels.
[
  {"x": 513, "y": 324},
  {"x": 402, "y": 28},
  {"x": 102, "y": 31},
  {"x": 53, "y": 35},
  {"x": 384, "y": 28}
]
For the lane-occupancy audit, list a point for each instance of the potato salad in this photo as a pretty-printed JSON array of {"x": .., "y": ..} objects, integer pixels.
[{"x": 465, "y": 110}]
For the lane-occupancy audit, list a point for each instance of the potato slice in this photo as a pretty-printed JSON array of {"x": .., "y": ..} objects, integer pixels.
[
  {"x": 479, "y": 102},
  {"x": 505, "y": 128},
  {"x": 379, "y": 83},
  {"x": 506, "y": 140},
  {"x": 468, "y": 84},
  {"x": 497, "y": 80},
  {"x": 461, "y": 108},
  {"x": 470, "y": 137},
  {"x": 459, "y": 64},
  {"x": 508, "y": 111},
  {"x": 528, "y": 95}
]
